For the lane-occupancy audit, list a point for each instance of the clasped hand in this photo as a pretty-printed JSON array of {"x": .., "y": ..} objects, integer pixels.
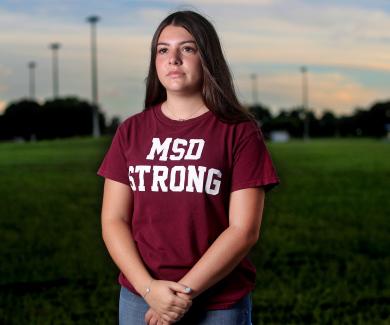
[{"x": 168, "y": 302}]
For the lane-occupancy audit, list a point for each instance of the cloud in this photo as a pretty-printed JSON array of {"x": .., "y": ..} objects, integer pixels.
[
  {"x": 339, "y": 36},
  {"x": 228, "y": 2},
  {"x": 153, "y": 15},
  {"x": 339, "y": 92},
  {"x": 326, "y": 91},
  {"x": 272, "y": 33},
  {"x": 3, "y": 105},
  {"x": 4, "y": 71},
  {"x": 122, "y": 59},
  {"x": 4, "y": 74}
]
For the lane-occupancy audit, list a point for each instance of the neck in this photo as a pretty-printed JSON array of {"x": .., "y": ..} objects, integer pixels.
[{"x": 184, "y": 106}]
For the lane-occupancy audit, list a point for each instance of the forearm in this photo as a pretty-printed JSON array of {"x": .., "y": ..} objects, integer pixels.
[
  {"x": 120, "y": 244},
  {"x": 220, "y": 259}
]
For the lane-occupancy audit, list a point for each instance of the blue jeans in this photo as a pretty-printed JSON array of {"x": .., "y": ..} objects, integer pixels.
[{"x": 132, "y": 310}]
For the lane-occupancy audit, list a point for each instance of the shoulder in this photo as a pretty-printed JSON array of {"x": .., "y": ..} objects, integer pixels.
[
  {"x": 250, "y": 126},
  {"x": 137, "y": 119},
  {"x": 244, "y": 129}
]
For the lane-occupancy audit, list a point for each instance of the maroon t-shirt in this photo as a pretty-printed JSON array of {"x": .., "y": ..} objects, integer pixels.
[{"x": 182, "y": 174}]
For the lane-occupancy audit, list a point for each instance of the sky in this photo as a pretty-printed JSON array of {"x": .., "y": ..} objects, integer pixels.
[{"x": 344, "y": 44}]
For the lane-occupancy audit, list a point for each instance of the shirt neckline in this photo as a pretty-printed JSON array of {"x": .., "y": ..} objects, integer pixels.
[{"x": 166, "y": 120}]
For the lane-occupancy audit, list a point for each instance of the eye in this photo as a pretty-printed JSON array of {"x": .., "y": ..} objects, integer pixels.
[
  {"x": 189, "y": 49},
  {"x": 162, "y": 50}
]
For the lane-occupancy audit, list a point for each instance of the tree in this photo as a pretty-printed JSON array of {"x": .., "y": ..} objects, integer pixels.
[
  {"x": 263, "y": 115},
  {"x": 21, "y": 119},
  {"x": 66, "y": 117}
]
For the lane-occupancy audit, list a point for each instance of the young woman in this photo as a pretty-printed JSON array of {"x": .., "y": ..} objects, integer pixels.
[{"x": 184, "y": 187}]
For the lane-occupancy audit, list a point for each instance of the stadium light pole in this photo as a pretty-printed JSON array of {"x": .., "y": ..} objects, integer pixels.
[
  {"x": 95, "y": 117},
  {"x": 305, "y": 104},
  {"x": 254, "y": 88},
  {"x": 55, "y": 47},
  {"x": 31, "y": 68}
]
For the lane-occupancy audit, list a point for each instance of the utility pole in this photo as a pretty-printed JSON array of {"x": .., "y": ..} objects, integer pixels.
[
  {"x": 31, "y": 68},
  {"x": 305, "y": 105},
  {"x": 55, "y": 47},
  {"x": 95, "y": 117}
]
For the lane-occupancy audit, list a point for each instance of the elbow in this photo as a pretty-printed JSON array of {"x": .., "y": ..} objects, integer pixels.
[
  {"x": 111, "y": 226},
  {"x": 107, "y": 225},
  {"x": 104, "y": 231},
  {"x": 253, "y": 237},
  {"x": 248, "y": 238}
]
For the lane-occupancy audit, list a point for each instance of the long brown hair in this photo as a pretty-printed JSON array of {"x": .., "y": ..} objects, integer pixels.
[{"x": 218, "y": 90}]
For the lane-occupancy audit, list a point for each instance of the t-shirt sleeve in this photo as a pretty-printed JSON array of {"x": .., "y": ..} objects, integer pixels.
[
  {"x": 252, "y": 164},
  {"x": 114, "y": 165}
]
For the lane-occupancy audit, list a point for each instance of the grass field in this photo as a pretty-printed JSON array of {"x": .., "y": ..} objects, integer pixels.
[{"x": 323, "y": 256}]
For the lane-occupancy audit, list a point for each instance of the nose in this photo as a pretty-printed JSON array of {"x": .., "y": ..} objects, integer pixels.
[{"x": 175, "y": 58}]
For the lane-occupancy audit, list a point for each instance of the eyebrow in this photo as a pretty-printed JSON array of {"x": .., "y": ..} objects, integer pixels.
[{"x": 183, "y": 42}]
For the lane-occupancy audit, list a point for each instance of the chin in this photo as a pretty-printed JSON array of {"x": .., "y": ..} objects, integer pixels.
[
  {"x": 177, "y": 88},
  {"x": 183, "y": 90}
]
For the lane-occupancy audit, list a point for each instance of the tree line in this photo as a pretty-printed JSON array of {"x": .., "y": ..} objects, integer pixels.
[
  {"x": 71, "y": 116},
  {"x": 57, "y": 118},
  {"x": 371, "y": 122}
]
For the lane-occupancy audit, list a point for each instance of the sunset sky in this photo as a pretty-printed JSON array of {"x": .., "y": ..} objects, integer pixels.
[{"x": 344, "y": 44}]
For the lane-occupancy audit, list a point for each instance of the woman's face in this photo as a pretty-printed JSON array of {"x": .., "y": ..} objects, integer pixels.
[{"x": 177, "y": 61}]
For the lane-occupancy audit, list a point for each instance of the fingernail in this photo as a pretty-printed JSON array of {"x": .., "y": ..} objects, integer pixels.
[{"x": 187, "y": 290}]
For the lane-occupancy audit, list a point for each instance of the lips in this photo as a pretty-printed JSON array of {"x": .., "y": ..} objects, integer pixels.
[{"x": 175, "y": 74}]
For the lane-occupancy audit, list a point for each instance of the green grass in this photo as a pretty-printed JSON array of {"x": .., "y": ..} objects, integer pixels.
[{"x": 323, "y": 256}]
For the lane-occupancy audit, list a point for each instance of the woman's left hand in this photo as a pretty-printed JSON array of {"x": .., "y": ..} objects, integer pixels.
[{"x": 153, "y": 318}]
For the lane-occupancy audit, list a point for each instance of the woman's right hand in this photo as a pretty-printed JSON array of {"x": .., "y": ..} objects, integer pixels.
[{"x": 162, "y": 298}]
